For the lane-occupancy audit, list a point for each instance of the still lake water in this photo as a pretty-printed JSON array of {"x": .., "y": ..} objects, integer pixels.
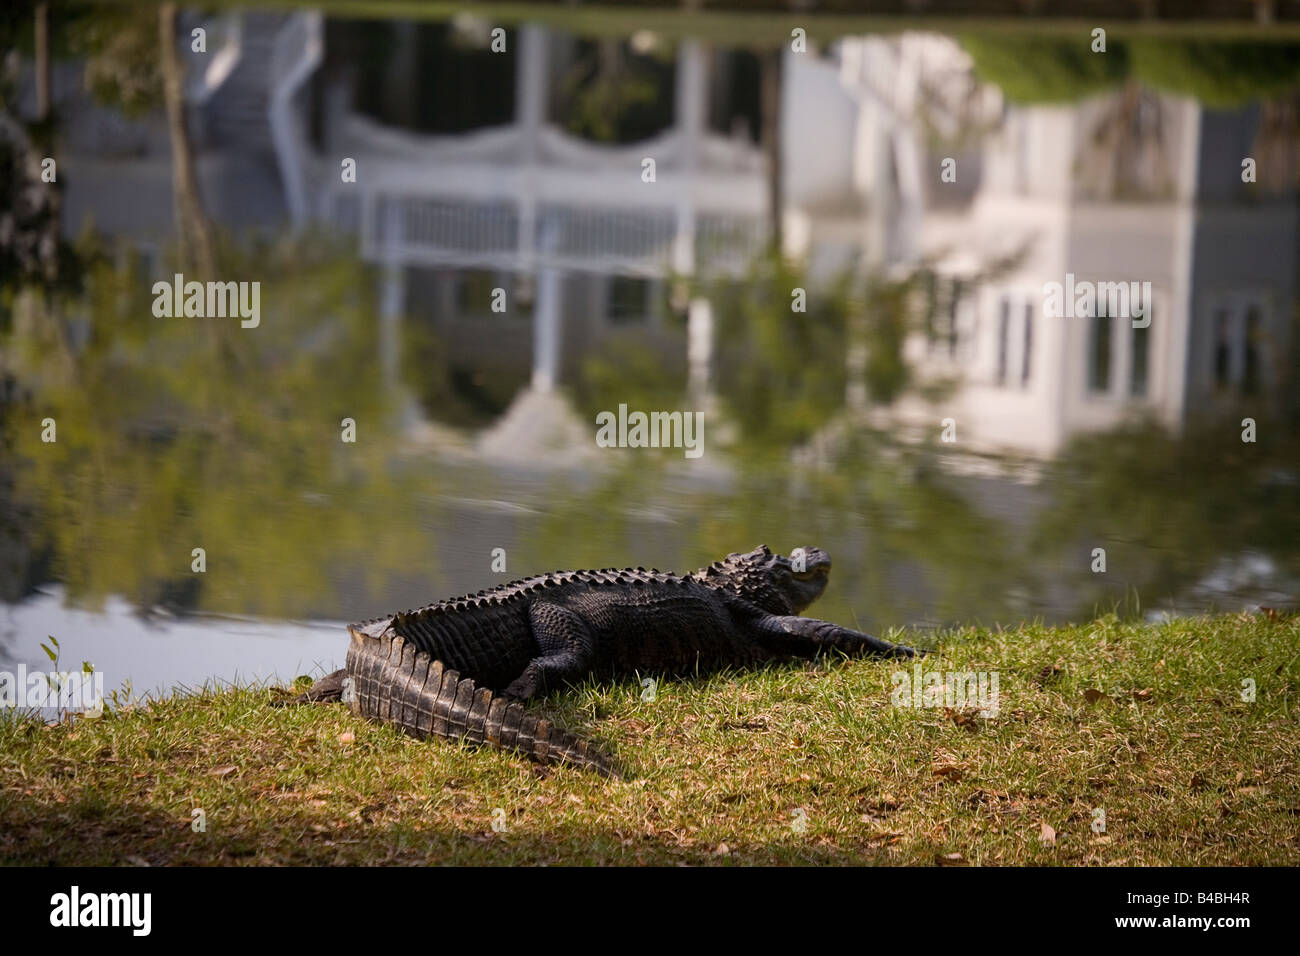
[{"x": 417, "y": 401}]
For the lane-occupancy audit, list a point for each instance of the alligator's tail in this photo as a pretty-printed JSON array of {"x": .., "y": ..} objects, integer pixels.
[{"x": 398, "y": 684}]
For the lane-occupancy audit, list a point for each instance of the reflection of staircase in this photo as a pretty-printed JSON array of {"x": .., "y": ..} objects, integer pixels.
[{"x": 235, "y": 114}]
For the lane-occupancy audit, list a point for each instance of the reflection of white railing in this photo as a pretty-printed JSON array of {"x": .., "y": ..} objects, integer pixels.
[
  {"x": 452, "y": 231},
  {"x": 528, "y": 195},
  {"x": 296, "y": 53}
]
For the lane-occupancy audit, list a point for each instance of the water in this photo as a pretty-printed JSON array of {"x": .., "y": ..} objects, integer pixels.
[{"x": 186, "y": 499}]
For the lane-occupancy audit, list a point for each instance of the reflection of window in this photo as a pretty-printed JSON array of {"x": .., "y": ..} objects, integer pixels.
[
  {"x": 931, "y": 291},
  {"x": 1027, "y": 356},
  {"x": 1004, "y": 323},
  {"x": 1238, "y": 348},
  {"x": 943, "y": 305},
  {"x": 629, "y": 300},
  {"x": 1250, "y": 374},
  {"x": 1099, "y": 349},
  {"x": 1222, "y": 347},
  {"x": 1137, "y": 380},
  {"x": 953, "y": 304}
]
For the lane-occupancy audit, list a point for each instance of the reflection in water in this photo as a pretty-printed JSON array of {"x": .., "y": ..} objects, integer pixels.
[{"x": 453, "y": 286}]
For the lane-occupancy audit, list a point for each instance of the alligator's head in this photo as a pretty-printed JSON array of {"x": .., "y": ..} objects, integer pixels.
[{"x": 777, "y": 584}]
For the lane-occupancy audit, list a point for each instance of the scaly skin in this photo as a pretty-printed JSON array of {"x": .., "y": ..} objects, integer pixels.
[{"x": 433, "y": 671}]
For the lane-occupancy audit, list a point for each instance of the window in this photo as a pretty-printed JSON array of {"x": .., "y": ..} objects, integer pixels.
[
  {"x": 1004, "y": 322},
  {"x": 1026, "y": 357},
  {"x": 1099, "y": 349}
]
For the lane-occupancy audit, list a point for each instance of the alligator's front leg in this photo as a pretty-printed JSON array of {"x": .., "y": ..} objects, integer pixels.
[
  {"x": 567, "y": 651},
  {"x": 806, "y": 636}
]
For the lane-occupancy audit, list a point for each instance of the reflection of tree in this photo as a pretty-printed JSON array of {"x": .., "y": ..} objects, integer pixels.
[
  {"x": 1127, "y": 155},
  {"x": 780, "y": 374},
  {"x": 165, "y": 444},
  {"x": 1219, "y": 74},
  {"x": 194, "y": 230}
]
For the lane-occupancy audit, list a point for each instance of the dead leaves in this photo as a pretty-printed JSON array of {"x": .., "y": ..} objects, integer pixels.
[{"x": 967, "y": 718}]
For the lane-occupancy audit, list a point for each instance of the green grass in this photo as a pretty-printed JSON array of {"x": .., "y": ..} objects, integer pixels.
[{"x": 1143, "y": 721}]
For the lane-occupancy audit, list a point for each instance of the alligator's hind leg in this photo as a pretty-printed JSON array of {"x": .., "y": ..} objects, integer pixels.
[
  {"x": 567, "y": 651},
  {"x": 327, "y": 690},
  {"x": 805, "y": 636}
]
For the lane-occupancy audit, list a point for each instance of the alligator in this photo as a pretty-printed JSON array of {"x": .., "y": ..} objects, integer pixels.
[{"x": 463, "y": 668}]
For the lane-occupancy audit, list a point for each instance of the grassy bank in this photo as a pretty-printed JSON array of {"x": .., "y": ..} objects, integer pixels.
[{"x": 797, "y": 764}]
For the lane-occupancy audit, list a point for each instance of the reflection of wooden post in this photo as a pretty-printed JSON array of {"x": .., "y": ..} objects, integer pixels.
[
  {"x": 42, "y": 61},
  {"x": 530, "y": 118},
  {"x": 546, "y": 317},
  {"x": 546, "y": 329},
  {"x": 699, "y": 350},
  {"x": 691, "y": 95},
  {"x": 770, "y": 105},
  {"x": 392, "y": 296}
]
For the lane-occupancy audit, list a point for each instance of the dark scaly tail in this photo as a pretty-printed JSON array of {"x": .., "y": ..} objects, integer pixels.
[{"x": 398, "y": 684}]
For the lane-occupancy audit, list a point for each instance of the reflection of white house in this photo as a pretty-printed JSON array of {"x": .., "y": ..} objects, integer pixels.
[{"x": 1120, "y": 188}]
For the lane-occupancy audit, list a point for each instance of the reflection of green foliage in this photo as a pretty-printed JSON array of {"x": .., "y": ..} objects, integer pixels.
[
  {"x": 120, "y": 45},
  {"x": 1035, "y": 69},
  {"x": 463, "y": 395},
  {"x": 1166, "y": 515},
  {"x": 1218, "y": 74},
  {"x": 632, "y": 371},
  {"x": 179, "y": 433},
  {"x": 887, "y": 323},
  {"x": 780, "y": 373},
  {"x": 614, "y": 95}
]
